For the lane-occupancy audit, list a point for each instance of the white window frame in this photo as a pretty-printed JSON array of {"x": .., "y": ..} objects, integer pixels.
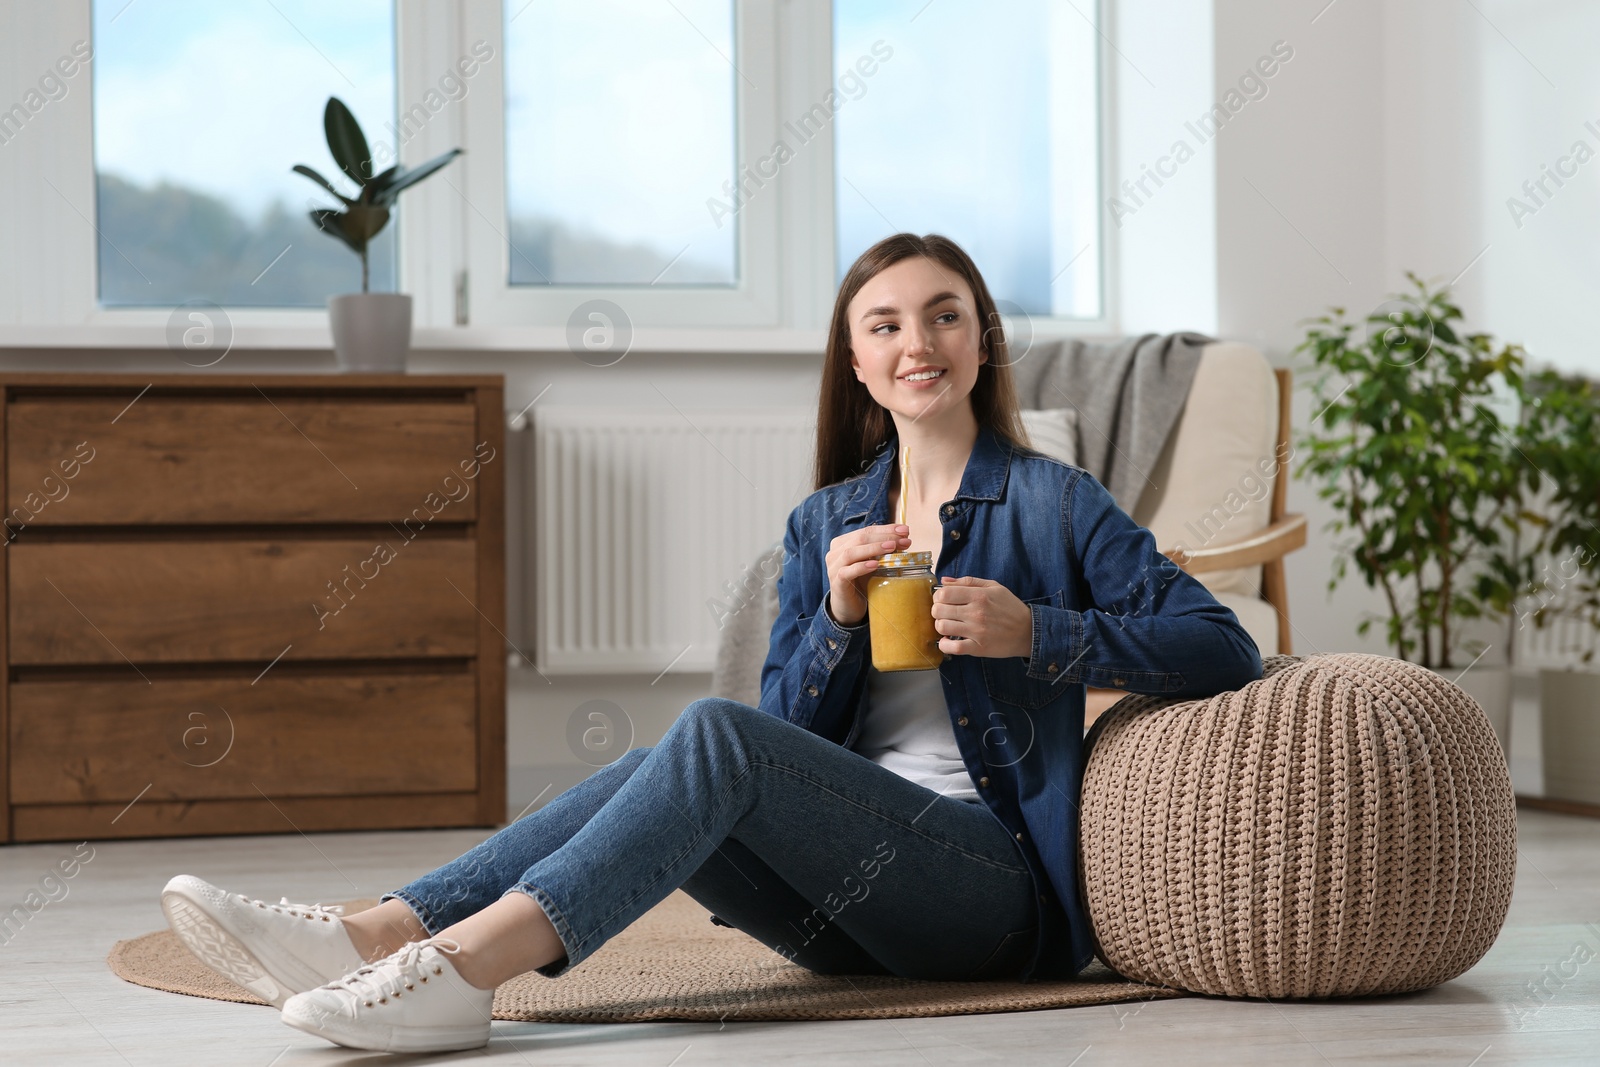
[
  {"x": 754, "y": 300},
  {"x": 450, "y": 261}
]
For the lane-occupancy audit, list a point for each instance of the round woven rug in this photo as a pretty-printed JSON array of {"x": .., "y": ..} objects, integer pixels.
[{"x": 675, "y": 964}]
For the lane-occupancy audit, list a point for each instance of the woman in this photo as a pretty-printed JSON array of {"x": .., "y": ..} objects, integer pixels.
[{"x": 855, "y": 822}]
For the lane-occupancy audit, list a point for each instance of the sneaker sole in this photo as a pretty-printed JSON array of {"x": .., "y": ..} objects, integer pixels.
[
  {"x": 213, "y": 946},
  {"x": 194, "y": 916},
  {"x": 385, "y": 1038}
]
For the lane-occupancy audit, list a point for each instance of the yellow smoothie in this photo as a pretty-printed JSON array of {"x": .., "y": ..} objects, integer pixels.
[{"x": 900, "y": 613}]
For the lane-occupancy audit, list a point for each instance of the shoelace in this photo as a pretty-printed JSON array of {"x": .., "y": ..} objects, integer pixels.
[
  {"x": 394, "y": 974},
  {"x": 309, "y": 911}
]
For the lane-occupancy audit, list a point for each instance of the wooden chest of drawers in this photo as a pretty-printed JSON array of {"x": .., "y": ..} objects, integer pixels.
[{"x": 251, "y": 605}]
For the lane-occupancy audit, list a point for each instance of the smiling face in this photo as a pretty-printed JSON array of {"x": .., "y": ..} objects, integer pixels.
[{"x": 912, "y": 316}]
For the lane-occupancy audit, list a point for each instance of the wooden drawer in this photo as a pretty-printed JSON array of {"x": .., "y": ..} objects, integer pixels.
[
  {"x": 241, "y": 600},
  {"x": 241, "y": 458},
  {"x": 224, "y": 738}
]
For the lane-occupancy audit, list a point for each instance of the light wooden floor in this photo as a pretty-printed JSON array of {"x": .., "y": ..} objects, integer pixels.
[{"x": 59, "y": 1003}]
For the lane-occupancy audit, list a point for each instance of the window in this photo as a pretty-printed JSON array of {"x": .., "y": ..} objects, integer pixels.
[
  {"x": 200, "y": 111},
  {"x": 705, "y": 168},
  {"x": 984, "y": 129},
  {"x": 619, "y": 125}
]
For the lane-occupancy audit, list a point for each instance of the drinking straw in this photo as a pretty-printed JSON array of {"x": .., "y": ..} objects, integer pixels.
[{"x": 905, "y": 470}]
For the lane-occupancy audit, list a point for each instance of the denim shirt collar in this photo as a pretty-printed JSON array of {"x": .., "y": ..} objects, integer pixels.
[{"x": 983, "y": 479}]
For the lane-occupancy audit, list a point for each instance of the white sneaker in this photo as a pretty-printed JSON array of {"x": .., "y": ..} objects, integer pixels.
[
  {"x": 273, "y": 950},
  {"x": 369, "y": 1009}
]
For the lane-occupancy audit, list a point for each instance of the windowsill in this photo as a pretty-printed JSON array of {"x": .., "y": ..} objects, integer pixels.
[
  {"x": 309, "y": 336},
  {"x": 258, "y": 336}
]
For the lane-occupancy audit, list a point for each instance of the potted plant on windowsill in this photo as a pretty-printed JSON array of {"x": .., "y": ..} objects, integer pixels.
[
  {"x": 1409, "y": 448},
  {"x": 371, "y": 331},
  {"x": 1560, "y": 431}
]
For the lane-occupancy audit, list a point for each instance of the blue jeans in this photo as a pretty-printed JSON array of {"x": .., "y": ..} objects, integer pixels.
[{"x": 830, "y": 860}]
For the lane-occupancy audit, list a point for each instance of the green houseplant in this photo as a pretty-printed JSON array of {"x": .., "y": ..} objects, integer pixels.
[
  {"x": 371, "y": 331},
  {"x": 1407, "y": 444},
  {"x": 1560, "y": 427}
]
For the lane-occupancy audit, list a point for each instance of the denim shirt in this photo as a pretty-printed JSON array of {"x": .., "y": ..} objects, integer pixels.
[{"x": 1109, "y": 610}]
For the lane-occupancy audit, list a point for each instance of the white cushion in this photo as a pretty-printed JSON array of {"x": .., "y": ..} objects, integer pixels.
[
  {"x": 1213, "y": 482},
  {"x": 1053, "y": 431}
]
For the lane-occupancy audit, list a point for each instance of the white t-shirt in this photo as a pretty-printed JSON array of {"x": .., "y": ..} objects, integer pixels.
[{"x": 906, "y": 727}]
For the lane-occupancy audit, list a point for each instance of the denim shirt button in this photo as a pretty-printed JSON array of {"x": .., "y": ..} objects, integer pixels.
[
  {"x": 1051, "y": 669},
  {"x": 1019, "y": 835},
  {"x": 1118, "y": 681},
  {"x": 961, "y": 721},
  {"x": 983, "y": 783},
  {"x": 832, "y": 643},
  {"x": 955, "y": 535},
  {"x": 812, "y": 690}
]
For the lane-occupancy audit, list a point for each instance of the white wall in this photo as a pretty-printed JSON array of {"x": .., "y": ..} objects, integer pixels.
[
  {"x": 1538, "y": 97},
  {"x": 1162, "y": 223},
  {"x": 1437, "y": 198}
]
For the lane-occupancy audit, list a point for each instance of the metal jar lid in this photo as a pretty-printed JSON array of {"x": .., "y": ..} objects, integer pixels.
[{"x": 906, "y": 559}]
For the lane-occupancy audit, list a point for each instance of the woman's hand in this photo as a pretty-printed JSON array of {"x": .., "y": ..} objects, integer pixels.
[
  {"x": 851, "y": 557},
  {"x": 993, "y": 621}
]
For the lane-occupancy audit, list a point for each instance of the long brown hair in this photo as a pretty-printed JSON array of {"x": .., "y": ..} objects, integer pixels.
[{"x": 852, "y": 428}]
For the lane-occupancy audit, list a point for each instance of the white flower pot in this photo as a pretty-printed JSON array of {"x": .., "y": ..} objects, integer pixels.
[
  {"x": 1491, "y": 688},
  {"x": 371, "y": 331},
  {"x": 1569, "y": 734}
]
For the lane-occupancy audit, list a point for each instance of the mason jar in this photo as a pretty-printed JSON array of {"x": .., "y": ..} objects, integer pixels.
[{"x": 900, "y": 613}]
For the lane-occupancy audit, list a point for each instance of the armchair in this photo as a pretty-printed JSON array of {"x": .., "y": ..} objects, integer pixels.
[{"x": 1215, "y": 500}]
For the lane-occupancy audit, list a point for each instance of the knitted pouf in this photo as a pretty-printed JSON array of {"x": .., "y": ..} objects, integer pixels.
[{"x": 1344, "y": 825}]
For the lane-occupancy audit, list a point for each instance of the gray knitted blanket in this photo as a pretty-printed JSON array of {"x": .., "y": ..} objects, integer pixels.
[{"x": 1128, "y": 395}]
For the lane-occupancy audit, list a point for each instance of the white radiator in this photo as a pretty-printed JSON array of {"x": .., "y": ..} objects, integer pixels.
[
  {"x": 643, "y": 523},
  {"x": 1558, "y": 644},
  {"x": 1563, "y": 639}
]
